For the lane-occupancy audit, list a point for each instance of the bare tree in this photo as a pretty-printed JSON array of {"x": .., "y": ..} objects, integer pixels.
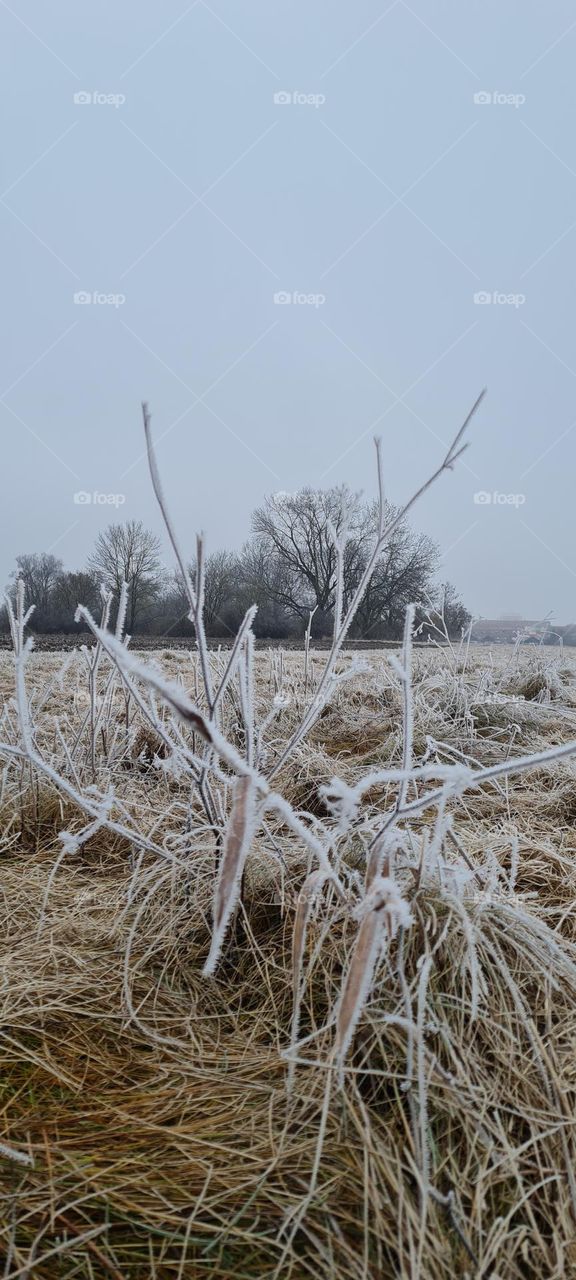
[
  {"x": 128, "y": 553},
  {"x": 295, "y": 545},
  {"x": 71, "y": 589},
  {"x": 39, "y": 572},
  {"x": 444, "y": 613},
  {"x": 265, "y": 581},
  {"x": 220, "y": 585},
  {"x": 221, "y": 590},
  {"x": 456, "y": 616},
  {"x": 402, "y": 576},
  {"x": 297, "y": 534}
]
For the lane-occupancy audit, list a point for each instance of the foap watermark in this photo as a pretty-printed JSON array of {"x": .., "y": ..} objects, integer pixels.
[
  {"x": 289, "y": 897},
  {"x": 295, "y": 98},
  {"x": 297, "y": 299},
  {"x": 485, "y": 499},
  {"x": 104, "y": 898},
  {"x": 94, "y": 98},
  {"x": 497, "y": 699},
  {"x": 486, "y": 298},
  {"x": 85, "y": 299},
  {"x": 494, "y": 98},
  {"x": 85, "y": 499}
]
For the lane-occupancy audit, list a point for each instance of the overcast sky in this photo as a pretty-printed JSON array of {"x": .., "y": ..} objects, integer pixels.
[{"x": 380, "y": 197}]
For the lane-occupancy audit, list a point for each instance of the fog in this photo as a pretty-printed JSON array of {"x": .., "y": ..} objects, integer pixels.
[{"x": 291, "y": 227}]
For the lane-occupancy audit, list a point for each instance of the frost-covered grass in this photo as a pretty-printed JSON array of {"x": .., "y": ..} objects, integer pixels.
[
  {"x": 197, "y": 1120},
  {"x": 289, "y": 974}
]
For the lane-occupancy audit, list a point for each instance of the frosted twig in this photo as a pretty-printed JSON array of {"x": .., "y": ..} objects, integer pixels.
[{"x": 454, "y": 452}]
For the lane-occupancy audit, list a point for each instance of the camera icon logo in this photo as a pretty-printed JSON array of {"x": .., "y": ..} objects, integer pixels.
[
  {"x": 82, "y": 498},
  {"x": 282, "y": 298},
  {"x": 282, "y": 98},
  {"x": 82, "y": 298},
  {"x": 482, "y": 498},
  {"x": 82, "y": 99},
  {"x": 483, "y": 98}
]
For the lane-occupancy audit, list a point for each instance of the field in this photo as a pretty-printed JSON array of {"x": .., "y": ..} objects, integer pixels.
[
  {"x": 58, "y": 642},
  {"x": 376, "y": 1076}
]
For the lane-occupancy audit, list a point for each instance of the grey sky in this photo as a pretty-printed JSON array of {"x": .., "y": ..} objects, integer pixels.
[{"x": 199, "y": 197}]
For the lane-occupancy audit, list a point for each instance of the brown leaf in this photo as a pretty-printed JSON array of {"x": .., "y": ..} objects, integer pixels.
[
  {"x": 308, "y": 893},
  {"x": 358, "y": 980},
  {"x": 236, "y": 846},
  {"x": 189, "y": 714}
]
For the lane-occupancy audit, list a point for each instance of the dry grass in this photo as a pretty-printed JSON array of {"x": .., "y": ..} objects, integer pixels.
[{"x": 154, "y": 1101}]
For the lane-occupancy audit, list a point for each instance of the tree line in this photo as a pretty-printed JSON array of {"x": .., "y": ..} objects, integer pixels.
[{"x": 288, "y": 568}]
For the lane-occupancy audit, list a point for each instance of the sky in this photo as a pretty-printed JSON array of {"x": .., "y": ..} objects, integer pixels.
[{"x": 290, "y": 227}]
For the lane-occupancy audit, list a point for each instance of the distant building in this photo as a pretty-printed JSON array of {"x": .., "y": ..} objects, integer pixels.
[{"x": 510, "y": 627}]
